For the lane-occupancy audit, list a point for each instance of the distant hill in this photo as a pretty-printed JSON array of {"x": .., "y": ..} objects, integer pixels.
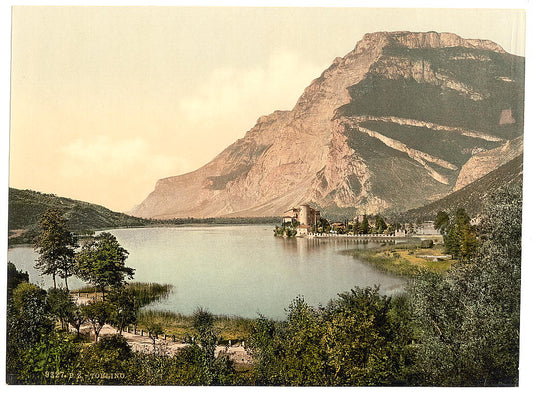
[
  {"x": 470, "y": 197},
  {"x": 26, "y": 207}
]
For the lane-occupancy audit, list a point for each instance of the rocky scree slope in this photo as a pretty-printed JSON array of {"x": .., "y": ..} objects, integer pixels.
[{"x": 390, "y": 126}]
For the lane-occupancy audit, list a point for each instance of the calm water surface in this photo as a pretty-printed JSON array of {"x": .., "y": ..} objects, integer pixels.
[{"x": 235, "y": 270}]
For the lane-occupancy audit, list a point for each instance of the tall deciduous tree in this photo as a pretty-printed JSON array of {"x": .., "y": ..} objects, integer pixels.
[
  {"x": 98, "y": 314},
  {"x": 61, "y": 305},
  {"x": 124, "y": 308},
  {"x": 101, "y": 262},
  {"x": 56, "y": 246}
]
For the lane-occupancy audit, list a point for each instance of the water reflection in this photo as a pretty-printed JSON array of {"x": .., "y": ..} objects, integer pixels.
[{"x": 303, "y": 247}]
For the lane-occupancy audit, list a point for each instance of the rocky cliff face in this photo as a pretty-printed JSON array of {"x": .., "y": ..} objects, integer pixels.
[
  {"x": 388, "y": 126},
  {"x": 482, "y": 163}
]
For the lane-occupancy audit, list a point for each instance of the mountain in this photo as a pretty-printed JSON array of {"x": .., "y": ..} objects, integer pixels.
[
  {"x": 390, "y": 126},
  {"x": 27, "y": 206}
]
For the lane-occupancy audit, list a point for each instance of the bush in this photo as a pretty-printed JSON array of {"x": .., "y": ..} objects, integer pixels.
[
  {"x": 427, "y": 244},
  {"x": 357, "y": 339}
]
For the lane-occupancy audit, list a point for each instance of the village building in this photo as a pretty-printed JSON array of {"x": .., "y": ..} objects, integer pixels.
[
  {"x": 427, "y": 228},
  {"x": 400, "y": 232},
  {"x": 304, "y": 215},
  {"x": 303, "y": 230},
  {"x": 290, "y": 216}
]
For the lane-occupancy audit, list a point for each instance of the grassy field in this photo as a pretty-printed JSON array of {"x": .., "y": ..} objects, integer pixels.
[
  {"x": 404, "y": 260},
  {"x": 230, "y": 328},
  {"x": 145, "y": 293}
]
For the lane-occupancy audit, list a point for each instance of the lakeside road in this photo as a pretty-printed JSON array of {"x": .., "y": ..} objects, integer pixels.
[{"x": 143, "y": 343}]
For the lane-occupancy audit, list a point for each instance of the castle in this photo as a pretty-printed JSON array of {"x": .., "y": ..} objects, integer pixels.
[{"x": 304, "y": 215}]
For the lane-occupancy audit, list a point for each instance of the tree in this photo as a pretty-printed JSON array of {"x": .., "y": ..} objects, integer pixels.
[
  {"x": 28, "y": 323},
  {"x": 266, "y": 347},
  {"x": 460, "y": 240},
  {"x": 98, "y": 314},
  {"x": 61, "y": 305},
  {"x": 304, "y": 354},
  {"x": 76, "y": 318},
  {"x": 365, "y": 226},
  {"x": 441, "y": 222},
  {"x": 14, "y": 278},
  {"x": 214, "y": 370},
  {"x": 53, "y": 360},
  {"x": 469, "y": 320},
  {"x": 356, "y": 228},
  {"x": 359, "y": 338},
  {"x": 154, "y": 329},
  {"x": 106, "y": 361},
  {"x": 381, "y": 226},
  {"x": 56, "y": 247},
  {"x": 124, "y": 308},
  {"x": 101, "y": 262},
  {"x": 31, "y": 311}
]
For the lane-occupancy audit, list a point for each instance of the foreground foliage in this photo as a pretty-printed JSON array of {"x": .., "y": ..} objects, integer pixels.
[
  {"x": 354, "y": 341},
  {"x": 460, "y": 328},
  {"x": 470, "y": 319}
]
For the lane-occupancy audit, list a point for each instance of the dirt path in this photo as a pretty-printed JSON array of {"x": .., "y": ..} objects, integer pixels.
[
  {"x": 144, "y": 344},
  {"x": 16, "y": 233}
]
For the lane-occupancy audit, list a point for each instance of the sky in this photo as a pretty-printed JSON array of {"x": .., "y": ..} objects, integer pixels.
[{"x": 107, "y": 100}]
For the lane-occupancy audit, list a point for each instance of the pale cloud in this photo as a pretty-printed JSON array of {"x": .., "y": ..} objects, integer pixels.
[
  {"x": 230, "y": 92},
  {"x": 103, "y": 155},
  {"x": 230, "y": 100},
  {"x": 98, "y": 164}
]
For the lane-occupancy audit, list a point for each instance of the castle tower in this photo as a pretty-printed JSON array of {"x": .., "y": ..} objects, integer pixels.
[{"x": 305, "y": 215}]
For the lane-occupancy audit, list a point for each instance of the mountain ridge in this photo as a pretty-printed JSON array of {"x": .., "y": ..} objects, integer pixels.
[
  {"x": 353, "y": 136},
  {"x": 472, "y": 196}
]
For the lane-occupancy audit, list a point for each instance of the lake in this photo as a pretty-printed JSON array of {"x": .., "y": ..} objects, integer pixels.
[{"x": 235, "y": 270}]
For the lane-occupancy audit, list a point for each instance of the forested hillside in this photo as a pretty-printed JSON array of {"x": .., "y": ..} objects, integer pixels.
[{"x": 27, "y": 206}]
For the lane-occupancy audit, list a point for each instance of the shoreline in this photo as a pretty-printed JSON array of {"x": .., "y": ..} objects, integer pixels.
[{"x": 405, "y": 260}]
